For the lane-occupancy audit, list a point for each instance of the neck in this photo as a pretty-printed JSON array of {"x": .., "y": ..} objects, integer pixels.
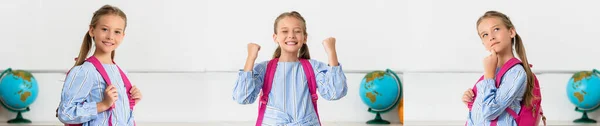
[
  {"x": 103, "y": 57},
  {"x": 504, "y": 57},
  {"x": 288, "y": 56}
]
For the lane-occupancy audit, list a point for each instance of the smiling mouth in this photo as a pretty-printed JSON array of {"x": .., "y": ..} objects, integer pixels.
[
  {"x": 291, "y": 43},
  {"x": 108, "y": 43}
]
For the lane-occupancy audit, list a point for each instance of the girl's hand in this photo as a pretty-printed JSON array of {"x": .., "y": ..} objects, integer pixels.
[
  {"x": 468, "y": 96},
  {"x": 489, "y": 65},
  {"x": 110, "y": 96},
  {"x": 253, "y": 49},
  {"x": 136, "y": 94},
  {"x": 329, "y": 45}
]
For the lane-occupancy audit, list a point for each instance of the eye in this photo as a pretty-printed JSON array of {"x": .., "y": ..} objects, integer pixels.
[
  {"x": 118, "y": 32},
  {"x": 104, "y": 29},
  {"x": 298, "y": 31},
  {"x": 284, "y": 31},
  {"x": 496, "y": 29},
  {"x": 484, "y": 35}
]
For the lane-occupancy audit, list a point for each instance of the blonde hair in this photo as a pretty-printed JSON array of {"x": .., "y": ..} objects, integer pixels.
[
  {"x": 520, "y": 49},
  {"x": 303, "y": 53},
  {"x": 87, "y": 39}
]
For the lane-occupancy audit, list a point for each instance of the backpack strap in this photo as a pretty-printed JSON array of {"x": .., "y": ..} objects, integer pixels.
[
  {"x": 268, "y": 82},
  {"x": 102, "y": 72},
  {"x": 542, "y": 114},
  {"x": 266, "y": 89},
  {"x": 128, "y": 87},
  {"x": 509, "y": 64},
  {"x": 312, "y": 84},
  {"x": 474, "y": 89},
  {"x": 106, "y": 78}
]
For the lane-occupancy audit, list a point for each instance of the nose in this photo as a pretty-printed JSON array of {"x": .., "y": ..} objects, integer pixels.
[
  {"x": 492, "y": 38},
  {"x": 110, "y": 36},
  {"x": 291, "y": 35}
]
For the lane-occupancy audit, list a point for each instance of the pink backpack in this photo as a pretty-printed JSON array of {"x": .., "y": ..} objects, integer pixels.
[
  {"x": 268, "y": 81},
  {"x": 104, "y": 75},
  {"x": 528, "y": 116}
]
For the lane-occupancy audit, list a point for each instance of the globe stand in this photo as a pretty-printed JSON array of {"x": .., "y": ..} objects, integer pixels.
[
  {"x": 378, "y": 119},
  {"x": 584, "y": 118},
  {"x": 19, "y": 119}
]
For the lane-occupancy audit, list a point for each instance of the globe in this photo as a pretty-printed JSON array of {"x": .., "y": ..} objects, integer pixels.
[
  {"x": 583, "y": 90},
  {"x": 381, "y": 91},
  {"x": 18, "y": 89}
]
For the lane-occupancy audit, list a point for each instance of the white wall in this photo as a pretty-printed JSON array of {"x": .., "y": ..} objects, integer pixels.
[{"x": 194, "y": 36}]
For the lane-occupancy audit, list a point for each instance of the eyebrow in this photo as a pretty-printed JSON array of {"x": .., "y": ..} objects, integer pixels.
[{"x": 115, "y": 28}]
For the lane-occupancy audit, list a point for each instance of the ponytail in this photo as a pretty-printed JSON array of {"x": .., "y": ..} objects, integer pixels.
[
  {"x": 85, "y": 49},
  {"x": 304, "y": 52},
  {"x": 520, "y": 49}
]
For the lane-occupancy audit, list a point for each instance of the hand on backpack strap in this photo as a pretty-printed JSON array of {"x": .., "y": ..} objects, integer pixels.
[
  {"x": 468, "y": 96},
  {"x": 110, "y": 96},
  {"x": 136, "y": 94}
]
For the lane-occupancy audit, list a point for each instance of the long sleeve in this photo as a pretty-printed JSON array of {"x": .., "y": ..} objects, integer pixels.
[
  {"x": 249, "y": 84},
  {"x": 331, "y": 80},
  {"x": 74, "y": 105},
  {"x": 496, "y": 100}
]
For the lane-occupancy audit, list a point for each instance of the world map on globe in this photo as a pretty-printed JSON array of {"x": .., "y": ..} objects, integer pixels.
[
  {"x": 27, "y": 77},
  {"x": 372, "y": 95},
  {"x": 380, "y": 90},
  {"x": 578, "y": 77},
  {"x": 18, "y": 89},
  {"x": 583, "y": 90}
]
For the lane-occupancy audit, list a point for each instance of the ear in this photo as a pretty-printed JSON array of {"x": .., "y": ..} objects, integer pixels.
[
  {"x": 90, "y": 31},
  {"x": 305, "y": 39},
  {"x": 513, "y": 32},
  {"x": 275, "y": 38}
]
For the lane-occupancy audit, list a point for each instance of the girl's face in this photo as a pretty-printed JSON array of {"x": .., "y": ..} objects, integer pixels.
[
  {"x": 290, "y": 34},
  {"x": 495, "y": 35},
  {"x": 108, "y": 33}
]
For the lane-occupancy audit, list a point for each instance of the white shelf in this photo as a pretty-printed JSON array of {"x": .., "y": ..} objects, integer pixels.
[
  {"x": 462, "y": 123},
  {"x": 411, "y": 123},
  {"x": 197, "y": 124}
]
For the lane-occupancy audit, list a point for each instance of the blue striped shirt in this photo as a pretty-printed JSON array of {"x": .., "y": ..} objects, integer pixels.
[
  {"x": 289, "y": 101},
  {"x": 491, "y": 102},
  {"x": 83, "y": 88}
]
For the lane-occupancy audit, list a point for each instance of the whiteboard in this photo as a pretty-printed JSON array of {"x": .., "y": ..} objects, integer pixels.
[{"x": 414, "y": 35}]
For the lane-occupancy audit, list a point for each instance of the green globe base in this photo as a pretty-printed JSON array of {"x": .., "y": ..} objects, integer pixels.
[
  {"x": 584, "y": 119},
  {"x": 19, "y": 119},
  {"x": 378, "y": 120}
]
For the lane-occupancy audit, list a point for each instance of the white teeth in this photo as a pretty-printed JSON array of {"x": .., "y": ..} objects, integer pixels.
[
  {"x": 291, "y": 43},
  {"x": 108, "y": 43}
]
